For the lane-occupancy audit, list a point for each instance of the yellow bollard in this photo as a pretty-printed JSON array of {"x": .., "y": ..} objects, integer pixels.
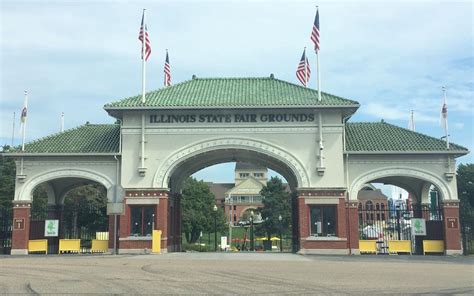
[{"x": 156, "y": 242}]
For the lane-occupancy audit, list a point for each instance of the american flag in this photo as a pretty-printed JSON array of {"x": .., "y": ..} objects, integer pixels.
[
  {"x": 143, "y": 29},
  {"x": 315, "y": 32},
  {"x": 167, "y": 70},
  {"x": 303, "y": 72},
  {"x": 24, "y": 111}
]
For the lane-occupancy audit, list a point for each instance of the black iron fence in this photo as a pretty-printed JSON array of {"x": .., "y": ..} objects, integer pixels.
[
  {"x": 6, "y": 225},
  {"x": 467, "y": 230},
  {"x": 396, "y": 225}
]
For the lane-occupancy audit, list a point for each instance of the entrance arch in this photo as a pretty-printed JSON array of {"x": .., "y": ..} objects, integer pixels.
[
  {"x": 395, "y": 175},
  {"x": 197, "y": 156},
  {"x": 26, "y": 192}
]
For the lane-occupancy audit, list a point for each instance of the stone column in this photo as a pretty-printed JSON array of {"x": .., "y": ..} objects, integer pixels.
[
  {"x": 353, "y": 227},
  {"x": 21, "y": 227},
  {"x": 452, "y": 232}
]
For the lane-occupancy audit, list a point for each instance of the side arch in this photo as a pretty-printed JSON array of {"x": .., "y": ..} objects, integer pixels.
[
  {"x": 372, "y": 175},
  {"x": 167, "y": 167},
  {"x": 27, "y": 189}
]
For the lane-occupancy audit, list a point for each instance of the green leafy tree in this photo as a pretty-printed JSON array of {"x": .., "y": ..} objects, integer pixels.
[
  {"x": 197, "y": 204},
  {"x": 85, "y": 207},
  {"x": 276, "y": 202},
  {"x": 7, "y": 180},
  {"x": 465, "y": 180}
]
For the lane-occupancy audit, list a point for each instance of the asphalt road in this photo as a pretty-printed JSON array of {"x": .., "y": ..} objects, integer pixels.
[{"x": 244, "y": 273}]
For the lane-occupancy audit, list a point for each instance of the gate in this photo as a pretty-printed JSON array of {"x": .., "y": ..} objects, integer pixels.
[
  {"x": 6, "y": 225},
  {"x": 467, "y": 229},
  {"x": 387, "y": 225}
]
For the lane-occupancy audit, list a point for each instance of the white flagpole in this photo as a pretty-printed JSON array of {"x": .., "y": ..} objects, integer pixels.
[
  {"x": 411, "y": 124},
  {"x": 142, "y": 159},
  {"x": 143, "y": 56},
  {"x": 13, "y": 128},
  {"x": 320, "y": 120},
  {"x": 62, "y": 122},
  {"x": 305, "y": 69},
  {"x": 24, "y": 122},
  {"x": 445, "y": 119}
]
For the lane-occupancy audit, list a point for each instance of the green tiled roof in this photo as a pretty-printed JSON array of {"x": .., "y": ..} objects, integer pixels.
[
  {"x": 88, "y": 138},
  {"x": 384, "y": 137},
  {"x": 232, "y": 93},
  {"x": 371, "y": 137}
]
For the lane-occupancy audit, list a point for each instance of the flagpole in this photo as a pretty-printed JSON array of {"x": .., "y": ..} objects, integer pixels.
[
  {"x": 24, "y": 122},
  {"x": 446, "y": 120},
  {"x": 62, "y": 122},
  {"x": 141, "y": 170},
  {"x": 143, "y": 57},
  {"x": 320, "y": 120},
  {"x": 305, "y": 69},
  {"x": 13, "y": 128}
]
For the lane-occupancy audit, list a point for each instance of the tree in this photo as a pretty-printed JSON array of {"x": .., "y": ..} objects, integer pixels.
[
  {"x": 7, "y": 180},
  {"x": 465, "y": 180},
  {"x": 276, "y": 202},
  {"x": 85, "y": 207},
  {"x": 197, "y": 208}
]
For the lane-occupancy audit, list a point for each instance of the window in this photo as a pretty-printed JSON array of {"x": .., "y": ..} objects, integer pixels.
[
  {"x": 377, "y": 206},
  {"x": 244, "y": 175},
  {"x": 142, "y": 220},
  {"x": 369, "y": 206},
  {"x": 323, "y": 220},
  {"x": 258, "y": 175},
  {"x": 235, "y": 208}
]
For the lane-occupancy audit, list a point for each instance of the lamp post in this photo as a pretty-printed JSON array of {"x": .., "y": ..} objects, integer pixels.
[
  {"x": 252, "y": 248},
  {"x": 215, "y": 228},
  {"x": 280, "y": 218}
]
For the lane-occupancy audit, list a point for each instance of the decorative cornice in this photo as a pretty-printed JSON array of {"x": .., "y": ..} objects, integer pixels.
[
  {"x": 21, "y": 204},
  {"x": 339, "y": 193},
  {"x": 146, "y": 193},
  {"x": 450, "y": 203}
]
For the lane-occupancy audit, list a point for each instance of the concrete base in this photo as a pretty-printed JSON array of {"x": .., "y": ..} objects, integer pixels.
[
  {"x": 323, "y": 252},
  {"x": 19, "y": 252},
  {"x": 355, "y": 252},
  {"x": 140, "y": 251},
  {"x": 453, "y": 252}
]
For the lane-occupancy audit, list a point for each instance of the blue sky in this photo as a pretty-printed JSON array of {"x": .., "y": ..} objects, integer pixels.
[{"x": 392, "y": 57}]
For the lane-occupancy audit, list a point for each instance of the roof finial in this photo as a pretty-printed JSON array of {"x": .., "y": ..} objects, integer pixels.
[
  {"x": 194, "y": 76},
  {"x": 272, "y": 76}
]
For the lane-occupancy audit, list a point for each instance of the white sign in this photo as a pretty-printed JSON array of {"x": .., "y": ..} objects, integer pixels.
[
  {"x": 51, "y": 228},
  {"x": 223, "y": 242},
  {"x": 418, "y": 226}
]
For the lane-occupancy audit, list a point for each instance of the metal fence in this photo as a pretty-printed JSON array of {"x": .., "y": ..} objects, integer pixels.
[
  {"x": 6, "y": 225},
  {"x": 467, "y": 230},
  {"x": 395, "y": 225}
]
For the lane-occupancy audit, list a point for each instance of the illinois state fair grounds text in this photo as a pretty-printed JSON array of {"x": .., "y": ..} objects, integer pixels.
[{"x": 230, "y": 118}]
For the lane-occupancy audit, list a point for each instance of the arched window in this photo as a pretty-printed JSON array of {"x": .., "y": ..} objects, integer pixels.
[
  {"x": 377, "y": 206},
  {"x": 382, "y": 207},
  {"x": 369, "y": 206}
]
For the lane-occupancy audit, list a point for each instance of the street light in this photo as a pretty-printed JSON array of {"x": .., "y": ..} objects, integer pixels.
[
  {"x": 280, "y": 218},
  {"x": 251, "y": 232},
  {"x": 215, "y": 228}
]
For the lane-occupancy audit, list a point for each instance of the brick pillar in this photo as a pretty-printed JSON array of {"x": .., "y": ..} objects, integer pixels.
[
  {"x": 303, "y": 217},
  {"x": 124, "y": 224},
  {"x": 21, "y": 227},
  {"x": 353, "y": 227},
  {"x": 341, "y": 218},
  {"x": 452, "y": 233},
  {"x": 162, "y": 221}
]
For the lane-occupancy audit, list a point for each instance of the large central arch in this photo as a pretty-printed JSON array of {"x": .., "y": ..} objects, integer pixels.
[{"x": 197, "y": 156}]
